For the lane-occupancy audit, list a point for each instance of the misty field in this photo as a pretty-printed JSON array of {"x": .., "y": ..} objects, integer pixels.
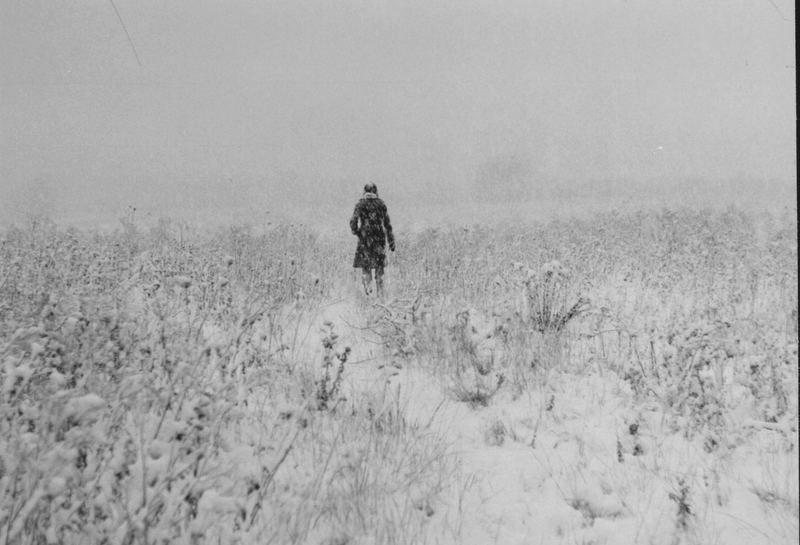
[{"x": 624, "y": 378}]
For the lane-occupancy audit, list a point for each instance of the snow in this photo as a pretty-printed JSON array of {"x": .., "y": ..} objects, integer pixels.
[
  {"x": 212, "y": 502},
  {"x": 573, "y": 473},
  {"x": 84, "y": 406}
]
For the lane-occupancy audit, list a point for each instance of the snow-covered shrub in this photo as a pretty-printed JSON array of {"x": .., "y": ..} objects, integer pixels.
[
  {"x": 470, "y": 367},
  {"x": 328, "y": 386},
  {"x": 551, "y": 298}
]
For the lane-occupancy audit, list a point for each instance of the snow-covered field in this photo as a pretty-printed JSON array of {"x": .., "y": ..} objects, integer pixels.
[
  {"x": 579, "y": 460},
  {"x": 623, "y": 379}
]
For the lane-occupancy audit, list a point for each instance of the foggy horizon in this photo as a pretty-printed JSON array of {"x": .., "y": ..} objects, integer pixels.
[{"x": 275, "y": 106}]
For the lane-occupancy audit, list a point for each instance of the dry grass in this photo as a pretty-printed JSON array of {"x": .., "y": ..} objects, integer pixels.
[{"x": 153, "y": 382}]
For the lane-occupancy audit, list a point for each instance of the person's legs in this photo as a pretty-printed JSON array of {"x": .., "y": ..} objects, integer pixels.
[
  {"x": 379, "y": 280},
  {"x": 366, "y": 279}
]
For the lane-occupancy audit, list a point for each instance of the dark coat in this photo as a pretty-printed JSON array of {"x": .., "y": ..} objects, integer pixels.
[{"x": 370, "y": 222}]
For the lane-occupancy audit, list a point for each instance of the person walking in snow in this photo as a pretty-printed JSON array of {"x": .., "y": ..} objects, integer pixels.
[{"x": 370, "y": 223}]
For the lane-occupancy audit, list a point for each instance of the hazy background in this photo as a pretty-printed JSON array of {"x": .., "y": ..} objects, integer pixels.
[{"x": 258, "y": 110}]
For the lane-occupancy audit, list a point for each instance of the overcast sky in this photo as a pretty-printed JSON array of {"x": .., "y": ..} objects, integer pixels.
[{"x": 401, "y": 92}]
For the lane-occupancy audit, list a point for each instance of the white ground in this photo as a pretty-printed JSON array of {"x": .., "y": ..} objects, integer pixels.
[{"x": 531, "y": 475}]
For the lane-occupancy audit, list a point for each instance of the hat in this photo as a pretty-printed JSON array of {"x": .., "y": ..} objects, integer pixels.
[{"x": 371, "y": 188}]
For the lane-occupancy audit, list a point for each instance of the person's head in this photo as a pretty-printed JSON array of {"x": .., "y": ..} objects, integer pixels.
[{"x": 371, "y": 188}]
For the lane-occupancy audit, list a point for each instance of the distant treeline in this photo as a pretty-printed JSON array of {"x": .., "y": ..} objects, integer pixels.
[{"x": 505, "y": 180}]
